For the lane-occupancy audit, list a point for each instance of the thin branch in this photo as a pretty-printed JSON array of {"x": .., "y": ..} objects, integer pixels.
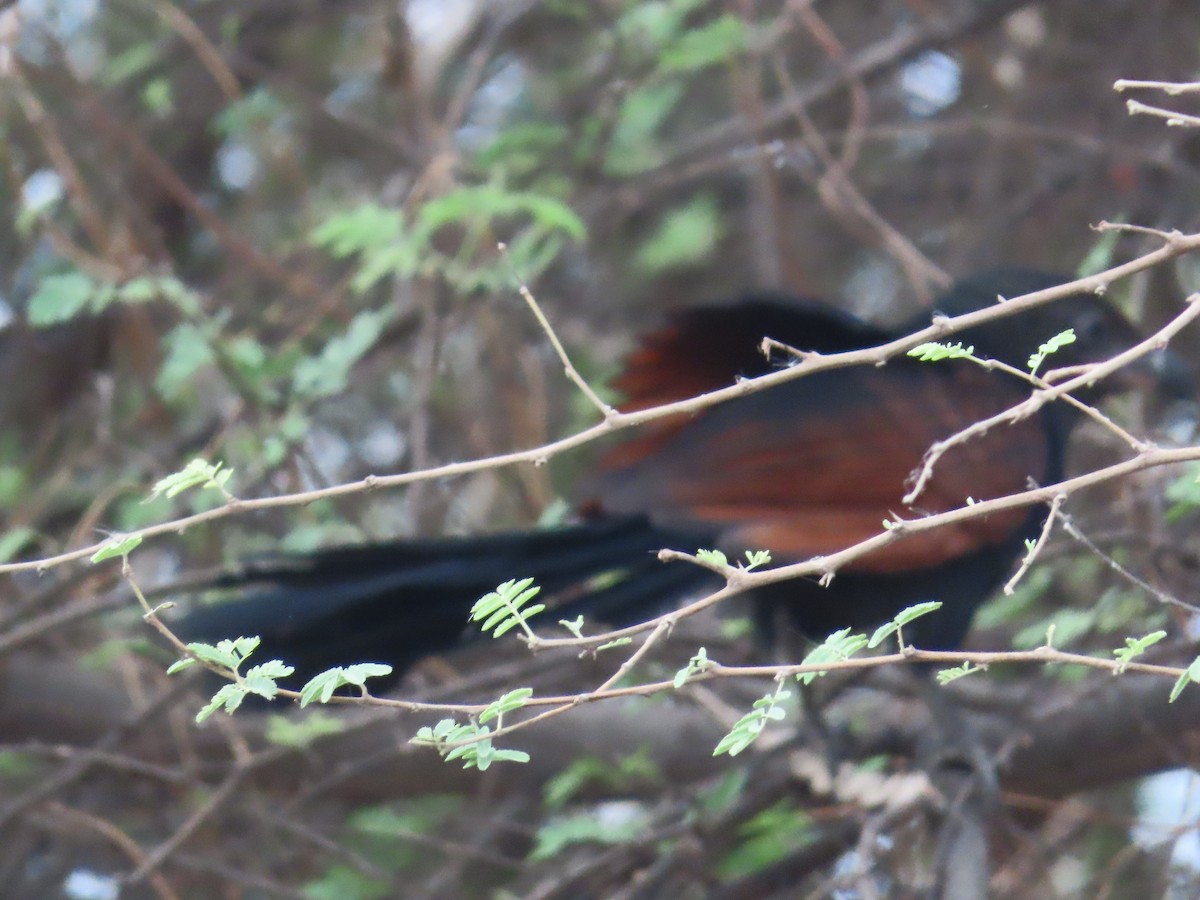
[
  {"x": 559, "y": 705},
  {"x": 1136, "y": 107},
  {"x": 1162, "y": 596},
  {"x": 158, "y": 856},
  {"x": 208, "y": 54},
  {"x": 1174, "y": 245},
  {"x": 568, "y": 367},
  {"x": 1036, "y": 549},
  {"x": 1172, "y": 88},
  {"x": 842, "y": 198}
]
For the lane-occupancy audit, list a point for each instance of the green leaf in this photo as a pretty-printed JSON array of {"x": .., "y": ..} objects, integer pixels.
[
  {"x": 1184, "y": 493},
  {"x": 14, "y": 482},
  {"x": 478, "y": 752},
  {"x": 653, "y": 24},
  {"x": 1101, "y": 255},
  {"x": 366, "y": 227},
  {"x": 748, "y": 728},
  {"x": 261, "y": 679},
  {"x": 633, "y": 146},
  {"x": 138, "y": 290},
  {"x": 712, "y": 557},
  {"x": 514, "y": 699},
  {"x": 615, "y": 642},
  {"x": 1135, "y": 647},
  {"x": 468, "y": 742},
  {"x": 552, "y": 214},
  {"x": 358, "y": 673},
  {"x": 129, "y": 63},
  {"x": 158, "y": 96},
  {"x": 770, "y": 836},
  {"x": 698, "y": 663},
  {"x": 197, "y": 473},
  {"x": 945, "y": 676},
  {"x": 902, "y": 618},
  {"x": 1068, "y": 625},
  {"x": 227, "y": 654},
  {"x": 60, "y": 298},
  {"x": 118, "y": 545},
  {"x": 327, "y": 373},
  {"x": 516, "y": 756},
  {"x": 575, "y": 626},
  {"x": 590, "y": 827},
  {"x": 15, "y": 764},
  {"x": 321, "y": 688},
  {"x": 1189, "y": 675},
  {"x": 839, "y": 646},
  {"x": 719, "y": 798},
  {"x": 756, "y": 558},
  {"x": 13, "y": 542},
  {"x": 401, "y": 259},
  {"x": 637, "y": 767},
  {"x": 187, "y": 351},
  {"x": 503, "y": 609},
  {"x": 260, "y": 108},
  {"x": 439, "y": 732},
  {"x": 488, "y": 202},
  {"x": 1056, "y": 343},
  {"x": 177, "y": 294},
  {"x": 229, "y": 697},
  {"x": 421, "y": 815},
  {"x": 523, "y": 147},
  {"x": 713, "y": 43},
  {"x": 247, "y": 353},
  {"x": 344, "y": 882},
  {"x": 936, "y": 352},
  {"x": 685, "y": 236},
  {"x": 914, "y": 612}
]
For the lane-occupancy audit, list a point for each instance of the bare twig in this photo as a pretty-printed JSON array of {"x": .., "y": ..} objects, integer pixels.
[
  {"x": 568, "y": 367},
  {"x": 1136, "y": 107},
  {"x": 1171, "y": 88},
  {"x": 1162, "y": 596},
  {"x": 1036, "y": 549}
]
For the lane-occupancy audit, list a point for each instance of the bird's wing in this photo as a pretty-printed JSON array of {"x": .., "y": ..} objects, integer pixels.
[
  {"x": 814, "y": 466},
  {"x": 707, "y": 348}
]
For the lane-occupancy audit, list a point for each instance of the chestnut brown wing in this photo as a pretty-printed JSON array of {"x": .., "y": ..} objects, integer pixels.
[{"x": 811, "y": 467}]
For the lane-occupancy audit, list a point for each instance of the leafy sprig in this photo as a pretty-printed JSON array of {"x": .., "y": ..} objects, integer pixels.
[{"x": 504, "y": 608}]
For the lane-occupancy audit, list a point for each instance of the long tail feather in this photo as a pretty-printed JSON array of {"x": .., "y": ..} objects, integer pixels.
[{"x": 400, "y": 601}]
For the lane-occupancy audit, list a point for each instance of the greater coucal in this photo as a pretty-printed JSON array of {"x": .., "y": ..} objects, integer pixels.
[{"x": 803, "y": 469}]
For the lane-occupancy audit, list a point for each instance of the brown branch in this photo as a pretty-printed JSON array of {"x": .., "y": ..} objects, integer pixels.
[
  {"x": 1047, "y": 739},
  {"x": 1174, "y": 245}
]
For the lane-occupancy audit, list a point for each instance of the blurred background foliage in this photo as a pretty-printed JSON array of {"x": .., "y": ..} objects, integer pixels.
[{"x": 267, "y": 233}]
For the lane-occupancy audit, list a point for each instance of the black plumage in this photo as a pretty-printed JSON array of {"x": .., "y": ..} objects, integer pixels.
[{"x": 803, "y": 469}]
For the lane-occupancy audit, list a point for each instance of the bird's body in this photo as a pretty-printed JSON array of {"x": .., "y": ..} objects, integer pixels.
[{"x": 803, "y": 469}]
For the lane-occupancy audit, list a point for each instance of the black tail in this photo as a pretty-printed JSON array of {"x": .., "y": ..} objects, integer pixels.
[{"x": 400, "y": 601}]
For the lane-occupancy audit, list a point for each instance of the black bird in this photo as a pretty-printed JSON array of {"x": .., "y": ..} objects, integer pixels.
[{"x": 802, "y": 469}]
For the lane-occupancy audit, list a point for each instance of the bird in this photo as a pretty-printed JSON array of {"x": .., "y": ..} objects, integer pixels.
[{"x": 803, "y": 469}]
